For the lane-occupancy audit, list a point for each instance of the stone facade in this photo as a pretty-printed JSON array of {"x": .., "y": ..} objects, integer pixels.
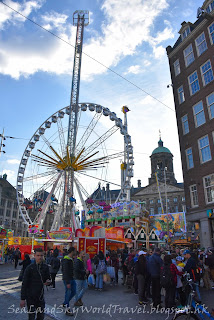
[{"x": 9, "y": 212}]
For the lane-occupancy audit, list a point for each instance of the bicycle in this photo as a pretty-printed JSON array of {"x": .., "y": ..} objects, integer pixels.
[{"x": 193, "y": 310}]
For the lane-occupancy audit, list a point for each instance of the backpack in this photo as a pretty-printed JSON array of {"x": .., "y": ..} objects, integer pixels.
[
  {"x": 101, "y": 268},
  {"x": 166, "y": 277},
  {"x": 55, "y": 264}
]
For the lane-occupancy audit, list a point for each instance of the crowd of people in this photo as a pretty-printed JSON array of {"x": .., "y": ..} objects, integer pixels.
[{"x": 150, "y": 274}]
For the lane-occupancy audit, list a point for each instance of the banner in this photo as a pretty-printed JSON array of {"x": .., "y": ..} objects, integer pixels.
[
  {"x": 59, "y": 235},
  {"x": 176, "y": 221},
  {"x": 81, "y": 244}
]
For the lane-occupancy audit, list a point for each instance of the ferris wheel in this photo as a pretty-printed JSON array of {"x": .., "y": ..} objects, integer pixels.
[
  {"x": 71, "y": 152},
  {"x": 47, "y": 166}
]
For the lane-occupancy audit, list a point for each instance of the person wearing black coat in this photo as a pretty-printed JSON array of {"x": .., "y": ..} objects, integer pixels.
[
  {"x": 68, "y": 278},
  {"x": 155, "y": 264},
  {"x": 140, "y": 271},
  {"x": 35, "y": 277},
  {"x": 55, "y": 265},
  {"x": 26, "y": 262},
  {"x": 80, "y": 275}
]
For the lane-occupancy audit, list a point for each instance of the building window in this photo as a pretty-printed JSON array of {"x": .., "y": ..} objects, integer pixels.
[
  {"x": 14, "y": 214},
  {"x": 159, "y": 201},
  {"x": 151, "y": 201},
  {"x": 204, "y": 149},
  {"x": 9, "y": 204},
  {"x": 210, "y": 105},
  {"x": 1, "y": 212},
  {"x": 2, "y": 202},
  {"x": 177, "y": 67},
  {"x": 8, "y": 213},
  {"x": 207, "y": 73},
  {"x": 201, "y": 44},
  {"x": 194, "y": 195},
  {"x": 211, "y": 33},
  {"x": 181, "y": 97},
  {"x": 185, "y": 124},
  {"x": 176, "y": 209},
  {"x": 175, "y": 199},
  {"x": 159, "y": 210},
  {"x": 189, "y": 157},
  {"x": 188, "y": 55},
  {"x": 199, "y": 116},
  {"x": 152, "y": 211},
  {"x": 209, "y": 188},
  {"x": 183, "y": 199},
  {"x": 193, "y": 83},
  {"x": 210, "y": 7},
  {"x": 185, "y": 33}
]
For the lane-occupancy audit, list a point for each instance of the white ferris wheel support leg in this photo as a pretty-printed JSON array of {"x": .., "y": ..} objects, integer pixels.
[{"x": 46, "y": 204}]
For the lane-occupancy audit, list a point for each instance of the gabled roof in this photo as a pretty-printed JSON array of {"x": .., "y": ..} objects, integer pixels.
[{"x": 8, "y": 191}]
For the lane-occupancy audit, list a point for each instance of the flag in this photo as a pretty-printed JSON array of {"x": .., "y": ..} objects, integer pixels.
[{"x": 125, "y": 109}]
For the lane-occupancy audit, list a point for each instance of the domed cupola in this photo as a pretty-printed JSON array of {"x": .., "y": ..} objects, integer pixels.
[{"x": 162, "y": 159}]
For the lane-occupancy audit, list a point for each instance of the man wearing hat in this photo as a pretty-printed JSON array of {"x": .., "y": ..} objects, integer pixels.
[
  {"x": 190, "y": 267},
  {"x": 140, "y": 272}
]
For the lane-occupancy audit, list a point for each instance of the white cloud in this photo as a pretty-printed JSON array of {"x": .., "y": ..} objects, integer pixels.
[
  {"x": 13, "y": 161},
  {"x": 159, "y": 52},
  {"x": 121, "y": 35},
  {"x": 11, "y": 175},
  {"x": 11, "y": 17},
  {"x": 54, "y": 20},
  {"x": 147, "y": 63},
  {"x": 133, "y": 69}
]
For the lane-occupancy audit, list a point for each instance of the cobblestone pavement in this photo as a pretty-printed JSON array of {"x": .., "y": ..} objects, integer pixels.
[{"x": 115, "y": 302}]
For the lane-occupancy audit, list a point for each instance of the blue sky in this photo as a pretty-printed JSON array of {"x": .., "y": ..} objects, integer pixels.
[{"x": 128, "y": 36}]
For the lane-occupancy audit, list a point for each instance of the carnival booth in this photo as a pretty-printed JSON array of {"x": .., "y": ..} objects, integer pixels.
[{"x": 95, "y": 239}]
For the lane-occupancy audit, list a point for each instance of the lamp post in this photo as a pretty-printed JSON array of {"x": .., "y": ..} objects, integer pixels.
[{"x": 167, "y": 216}]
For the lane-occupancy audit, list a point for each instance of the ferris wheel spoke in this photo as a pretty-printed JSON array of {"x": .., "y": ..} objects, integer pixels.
[
  {"x": 46, "y": 185},
  {"x": 100, "y": 140},
  {"x": 83, "y": 190},
  {"x": 40, "y": 175},
  {"x": 87, "y": 175},
  {"x": 88, "y": 132}
]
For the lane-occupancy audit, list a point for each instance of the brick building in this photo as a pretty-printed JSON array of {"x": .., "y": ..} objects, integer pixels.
[{"x": 191, "y": 62}]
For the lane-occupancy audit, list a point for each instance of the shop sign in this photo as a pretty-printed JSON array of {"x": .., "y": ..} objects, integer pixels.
[{"x": 210, "y": 213}]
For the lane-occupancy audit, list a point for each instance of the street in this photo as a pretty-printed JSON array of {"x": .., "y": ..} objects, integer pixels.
[{"x": 115, "y": 302}]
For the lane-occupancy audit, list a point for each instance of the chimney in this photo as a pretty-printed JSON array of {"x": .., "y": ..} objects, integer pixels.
[{"x": 139, "y": 183}]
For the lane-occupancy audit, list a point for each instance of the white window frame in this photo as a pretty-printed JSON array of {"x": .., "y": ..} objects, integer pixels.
[
  {"x": 199, "y": 149},
  {"x": 202, "y": 74},
  {"x": 192, "y": 192},
  {"x": 186, "y": 56},
  {"x": 211, "y": 186},
  {"x": 183, "y": 122},
  {"x": 187, "y": 158},
  {"x": 209, "y": 7},
  {"x": 198, "y": 45},
  {"x": 210, "y": 33},
  {"x": 180, "y": 92},
  {"x": 177, "y": 68},
  {"x": 186, "y": 32},
  {"x": 190, "y": 88},
  {"x": 209, "y": 105},
  {"x": 196, "y": 114}
]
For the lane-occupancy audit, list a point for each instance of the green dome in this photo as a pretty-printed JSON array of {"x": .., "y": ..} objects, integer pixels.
[{"x": 161, "y": 148}]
